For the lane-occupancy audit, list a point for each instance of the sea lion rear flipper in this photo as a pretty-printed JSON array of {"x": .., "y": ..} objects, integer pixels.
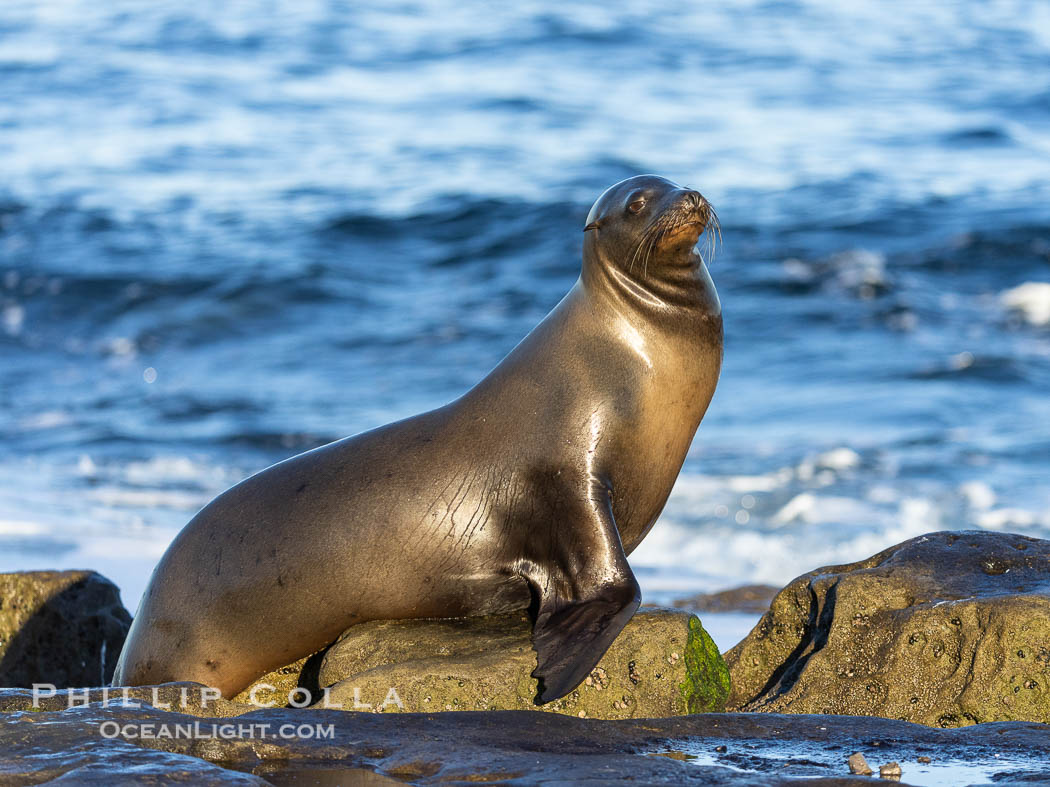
[{"x": 585, "y": 599}]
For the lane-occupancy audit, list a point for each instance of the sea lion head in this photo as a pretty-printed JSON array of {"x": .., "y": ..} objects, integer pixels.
[{"x": 646, "y": 223}]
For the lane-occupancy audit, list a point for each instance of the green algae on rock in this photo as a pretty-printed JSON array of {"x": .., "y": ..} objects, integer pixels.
[
  {"x": 946, "y": 629},
  {"x": 707, "y": 683},
  {"x": 662, "y": 664},
  {"x": 60, "y": 627}
]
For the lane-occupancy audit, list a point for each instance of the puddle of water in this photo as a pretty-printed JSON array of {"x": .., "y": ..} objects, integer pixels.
[
  {"x": 802, "y": 760},
  {"x": 952, "y": 773},
  {"x": 326, "y": 777}
]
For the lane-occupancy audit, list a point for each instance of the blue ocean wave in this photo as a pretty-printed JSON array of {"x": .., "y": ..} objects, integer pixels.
[{"x": 234, "y": 232}]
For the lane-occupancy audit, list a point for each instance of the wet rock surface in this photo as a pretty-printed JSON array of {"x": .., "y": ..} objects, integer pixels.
[
  {"x": 946, "y": 629},
  {"x": 512, "y": 747},
  {"x": 662, "y": 664},
  {"x": 61, "y": 627}
]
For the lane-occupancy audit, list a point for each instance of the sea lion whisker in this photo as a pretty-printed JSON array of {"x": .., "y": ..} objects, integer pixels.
[
  {"x": 652, "y": 227},
  {"x": 713, "y": 231},
  {"x": 637, "y": 248},
  {"x": 634, "y": 257},
  {"x": 654, "y": 235},
  {"x": 648, "y": 254},
  {"x": 653, "y": 243}
]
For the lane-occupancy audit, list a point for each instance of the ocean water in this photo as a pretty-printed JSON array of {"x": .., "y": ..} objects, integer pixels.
[{"x": 232, "y": 232}]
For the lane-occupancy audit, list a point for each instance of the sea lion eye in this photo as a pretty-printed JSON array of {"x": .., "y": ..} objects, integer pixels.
[{"x": 636, "y": 206}]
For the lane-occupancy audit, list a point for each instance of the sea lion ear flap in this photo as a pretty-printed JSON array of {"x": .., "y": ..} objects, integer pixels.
[{"x": 592, "y": 226}]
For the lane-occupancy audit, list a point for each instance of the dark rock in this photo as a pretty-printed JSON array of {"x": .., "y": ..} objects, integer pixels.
[
  {"x": 519, "y": 747},
  {"x": 746, "y": 598},
  {"x": 947, "y": 629},
  {"x": 60, "y": 627}
]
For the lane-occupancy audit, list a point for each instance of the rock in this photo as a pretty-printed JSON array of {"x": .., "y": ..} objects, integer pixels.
[
  {"x": 746, "y": 598},
  {"x": 60, "y": 627},
  {"x": 858, "y": 765},
  {"x": 890, "y": 770},
  {"x": 114, "y": 745},
  {"x": 947, "y": 629},
  {"x": 662, "y": 664},
  {"x": 295, "y": 682}
]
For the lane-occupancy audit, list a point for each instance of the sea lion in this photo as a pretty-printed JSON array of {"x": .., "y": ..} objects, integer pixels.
[{"x": 527, "y": 491}]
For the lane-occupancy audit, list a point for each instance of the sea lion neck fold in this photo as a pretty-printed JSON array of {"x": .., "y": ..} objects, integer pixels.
[{"x": 639, "y": 250}]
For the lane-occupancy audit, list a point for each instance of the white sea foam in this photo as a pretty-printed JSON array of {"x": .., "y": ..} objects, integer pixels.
[
  {"x": 121, "y": 346},
  {"x": 158, "y": 473},
  {"x": 882, "y": 493},
  {"x": 722, "y": 556},
  {"x": 824, "y": 466},
  {"x": 86, "y": 467},
  {"x": 813, "y": 508},
  {"x": 839, "y": 459},
  {"x": 147, "y": 548},
  {"x": 1006, "y": 518},
  {"x": 148, "y": 498},
  {"x": 757, "y": 483},
  {"x": 49, "y": 419},
  {"x": 978, "y": 494},
  {"x": 860, "y": 270},
  {"x": 12, "y": 317},
  {"x": 822, "y": 469},
  {"x": 161, "y": 469},
  {"x": 18, "y": 527},
  {"x": 1031, "y": 300}
]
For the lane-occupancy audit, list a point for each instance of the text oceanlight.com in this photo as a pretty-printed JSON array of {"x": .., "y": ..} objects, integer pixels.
[{"x": 202, "y": 730}]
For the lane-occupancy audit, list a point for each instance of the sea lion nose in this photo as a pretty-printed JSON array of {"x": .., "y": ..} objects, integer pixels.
[{"x": 692, "y": 201}]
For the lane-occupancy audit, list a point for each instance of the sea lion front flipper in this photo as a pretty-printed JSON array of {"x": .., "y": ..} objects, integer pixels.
[{"x": 586, "y": 596}]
